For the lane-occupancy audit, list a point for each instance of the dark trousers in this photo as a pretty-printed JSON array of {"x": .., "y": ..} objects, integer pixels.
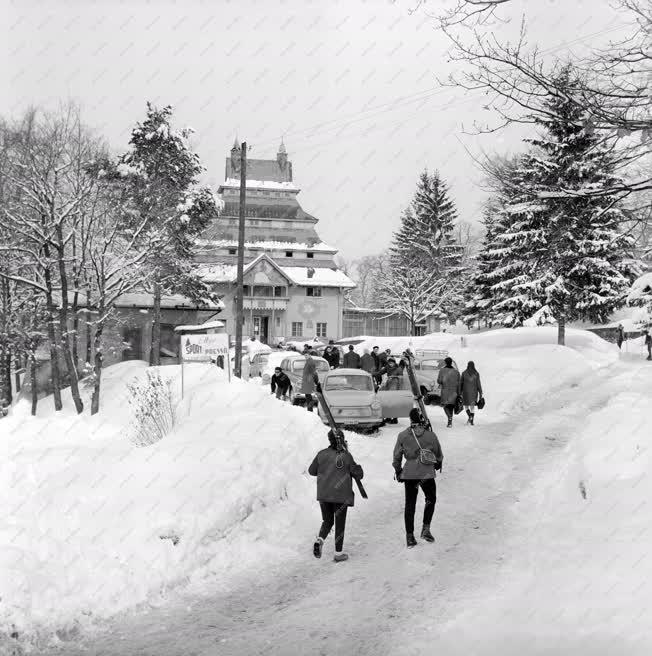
[
  {"x": 310, "y": 402},
  {"x": 411, "y": 493},
  {"x": 449, "y": 409},
  {"x": 333, "y": 513}
]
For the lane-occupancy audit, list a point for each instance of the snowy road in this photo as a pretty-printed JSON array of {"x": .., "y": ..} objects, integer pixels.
[{"x": 386, "y": 599}]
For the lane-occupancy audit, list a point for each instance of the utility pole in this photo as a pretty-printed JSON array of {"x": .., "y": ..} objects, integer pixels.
[{"x": 239, "y": 307}]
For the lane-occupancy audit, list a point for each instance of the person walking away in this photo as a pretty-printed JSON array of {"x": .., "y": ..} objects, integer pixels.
[
  {"x": 308, "y": 381},
  {"x": 280, "y": 383},
  {"x": 367, "y": 362},
  {"x": 414, "y": 474},
  {"x": 648, "y": 344},
  {"x": 394, "y": 374},
  {"x": 449, "y": 379},
  {"x": 335, "y": 469},
  {"x": 470, "y": 390},
  {"x": 351, "y": 360},
  {"x": 620, "y": 338}
]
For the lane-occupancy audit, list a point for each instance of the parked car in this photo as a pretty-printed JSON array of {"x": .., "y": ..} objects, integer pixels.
[
  {"x": 426, "y": 370},
  {"x": 293, "y": 366},
  {"x": 351, "y": 397},
  {"x": 263, "y": 364}
]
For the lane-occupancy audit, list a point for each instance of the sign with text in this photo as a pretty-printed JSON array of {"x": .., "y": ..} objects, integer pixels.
[{"x": 201, "y": 348}]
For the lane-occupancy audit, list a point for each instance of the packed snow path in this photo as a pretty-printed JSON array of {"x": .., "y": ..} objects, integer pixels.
[{"x": 385, "y": 599}]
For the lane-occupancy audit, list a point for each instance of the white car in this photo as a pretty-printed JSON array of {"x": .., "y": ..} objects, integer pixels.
[
  {"x": 351, "y": 397},
  {"x": 262, "y": 364}
]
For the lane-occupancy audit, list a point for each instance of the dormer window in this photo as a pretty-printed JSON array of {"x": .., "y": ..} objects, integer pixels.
[{"x": 289, "y": 253}]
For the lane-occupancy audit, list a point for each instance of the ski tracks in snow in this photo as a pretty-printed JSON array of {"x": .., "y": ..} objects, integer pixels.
[{"x": 385, "y": 599}]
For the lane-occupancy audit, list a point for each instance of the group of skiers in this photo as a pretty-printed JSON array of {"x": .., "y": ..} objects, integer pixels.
[{"x": 417, "y": 455}]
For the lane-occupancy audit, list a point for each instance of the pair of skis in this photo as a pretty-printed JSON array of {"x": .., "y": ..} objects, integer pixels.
[
  {"x": 408, "y": 358},
  {"x": 339, "y": 435}
]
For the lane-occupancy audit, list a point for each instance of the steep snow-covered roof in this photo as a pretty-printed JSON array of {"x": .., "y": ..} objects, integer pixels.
[{"x": 322, "y": 277}]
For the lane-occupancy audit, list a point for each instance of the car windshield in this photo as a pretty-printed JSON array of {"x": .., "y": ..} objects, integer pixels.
[
  {"x": 263, "y": 358},
  {"x": 298, "y": 365},
  {"x": 349, "y": 382},
  {"x": 431, "y": 365}
]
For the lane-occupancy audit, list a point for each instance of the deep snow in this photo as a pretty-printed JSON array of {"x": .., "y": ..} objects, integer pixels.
[{"x": 230, "y": 483}]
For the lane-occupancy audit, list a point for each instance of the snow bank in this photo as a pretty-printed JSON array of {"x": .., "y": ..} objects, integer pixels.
[
  {"x": 585, "y": 584},
  {"x": 92, "y": 525},
  {"x": 517, "y": 366}
]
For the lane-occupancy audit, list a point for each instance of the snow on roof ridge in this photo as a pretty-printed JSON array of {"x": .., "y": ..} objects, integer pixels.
[
  {"x": 322, "y": 277},
  {"x": 271, "y": 244}
]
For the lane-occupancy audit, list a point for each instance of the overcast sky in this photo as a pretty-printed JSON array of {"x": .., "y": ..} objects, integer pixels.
[{"x": 351, "y": 84}]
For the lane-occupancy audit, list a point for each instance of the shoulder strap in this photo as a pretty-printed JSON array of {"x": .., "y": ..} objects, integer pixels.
[{"x": 415, "y": 437}]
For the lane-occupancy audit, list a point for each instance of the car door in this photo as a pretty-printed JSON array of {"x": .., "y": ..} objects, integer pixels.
[{"x": 396, "y": 403}]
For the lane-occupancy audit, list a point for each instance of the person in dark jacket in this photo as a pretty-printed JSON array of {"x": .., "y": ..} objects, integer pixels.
[
  {"x": 383, "y": 357},
  {"x": 470, "y": 390},
  {"x": 367, "y": 362},
  {"x": 332, "y": 355},
  {"x": 308, "y": 381},
  {"x": 414, "y": 474},
  {"x": 449, "y": 379},
  {"x": 280, "y": 383},
  {"x": 351, "y": 360},
  {"x": 648, "y": 344},
  {"x": 620, "y": 335},
  {"x": 378, "y": 378},
  {"x": 335, "y": 469}
]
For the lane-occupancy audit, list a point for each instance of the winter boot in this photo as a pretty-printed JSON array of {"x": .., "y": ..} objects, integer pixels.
[
  {"x": 426, "y": 534},
  {"x": 316, "y": 548},
  {"x": 471, "y": 417},
  {"x": 340, "y": 556},
  {"x": 411, "y": 540}
]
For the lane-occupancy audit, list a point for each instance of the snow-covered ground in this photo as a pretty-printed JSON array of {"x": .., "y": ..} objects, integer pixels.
[{"x": 542, "y": 523}]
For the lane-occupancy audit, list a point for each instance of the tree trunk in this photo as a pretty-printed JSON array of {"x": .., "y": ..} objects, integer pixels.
[
  {"x": 75, "y": 334},
  {"x": 89, "y": 336},
  {"x": 32, "y": 378},
  {"x": 561, "y": 330},
  {"x": 155, "y": 350},
  {"x": 71, "y": 365},
  {"x": 5, "y": 345},
  {"x": 54, "y": 355},
  {"x": 97, "y": 368}
]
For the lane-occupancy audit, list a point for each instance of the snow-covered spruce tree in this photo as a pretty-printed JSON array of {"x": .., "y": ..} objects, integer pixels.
[
  {"x": 563, "y": 245},
  {"x": 167, "y": 193},
  {"x": 426, "y": 240},
  {"x": 479, "y": 306}
]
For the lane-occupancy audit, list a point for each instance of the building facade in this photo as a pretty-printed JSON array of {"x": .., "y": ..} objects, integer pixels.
[{"x": 292, "y": 286}]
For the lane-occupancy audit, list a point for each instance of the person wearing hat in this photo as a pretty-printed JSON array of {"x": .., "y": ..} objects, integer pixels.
[
  {"x": 414, "y": 474},
  {"x": 470, "y": 390},
  {"x": 280, "y": 383},
  {"x": 335, "y": 470},
  {"x": 449, "y": 379}
]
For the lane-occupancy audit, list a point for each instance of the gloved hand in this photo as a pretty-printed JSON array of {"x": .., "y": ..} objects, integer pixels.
[
  {"x": 438, "y": 465},
  {"x": 356, "y": 471},
  {"x": 397, "y": 475}
]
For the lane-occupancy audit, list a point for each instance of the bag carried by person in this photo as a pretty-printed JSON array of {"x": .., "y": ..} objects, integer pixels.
[
  {"x": 459, "y": 405},
  {"x": 481, "y": 403},
  {"x": 426, "y": 456}
]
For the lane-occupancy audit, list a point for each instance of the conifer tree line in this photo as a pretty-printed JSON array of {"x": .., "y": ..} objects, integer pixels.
[{"x": 80, "y": 226}]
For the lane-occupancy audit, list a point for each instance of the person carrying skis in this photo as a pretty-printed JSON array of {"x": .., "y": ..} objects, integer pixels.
[
  {"x": 308, "y": 381},
  {"x": 280, "y": 383},
  {"x": 414, "y": 474},
  {"x": 470, "y": 390},
  {"x": 335, "y": 469},
  {"x": 449, "y": 379}
]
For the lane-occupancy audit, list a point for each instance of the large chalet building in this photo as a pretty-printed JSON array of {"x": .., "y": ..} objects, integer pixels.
[{"x": 292, "y": 286}]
